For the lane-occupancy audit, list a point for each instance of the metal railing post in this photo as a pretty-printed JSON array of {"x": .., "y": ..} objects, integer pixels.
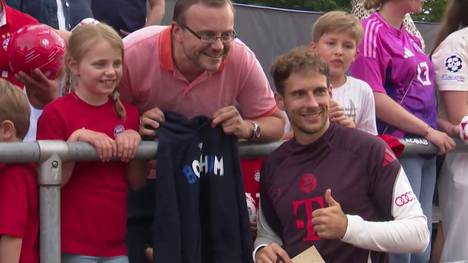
[{"x": 49, "y": 180}]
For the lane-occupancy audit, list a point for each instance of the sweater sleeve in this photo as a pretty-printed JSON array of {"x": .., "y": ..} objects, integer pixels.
[
  {"x": 408, "y": 232},
  {"x": 265, "y": 234}
]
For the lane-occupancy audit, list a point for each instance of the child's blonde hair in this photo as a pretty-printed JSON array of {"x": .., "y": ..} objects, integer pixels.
[
  {"x": 81, "y": 40},
  {"x": 14, "y": 106},
  {"x": 337, "y": 21}
]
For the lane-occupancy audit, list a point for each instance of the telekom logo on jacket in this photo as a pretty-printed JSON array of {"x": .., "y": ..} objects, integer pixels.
[{"x": 206, "y": 165}]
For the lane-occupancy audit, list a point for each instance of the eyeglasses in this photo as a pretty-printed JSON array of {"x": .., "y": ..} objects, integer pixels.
[{"x": 211, "y": 37}]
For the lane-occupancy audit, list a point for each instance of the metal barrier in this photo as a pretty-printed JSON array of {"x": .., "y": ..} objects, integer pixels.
[{"x": 50, "y": 154}]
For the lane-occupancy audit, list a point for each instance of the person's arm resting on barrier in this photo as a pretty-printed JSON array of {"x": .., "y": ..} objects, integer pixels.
[
  {"x": 394, "y": 114},
  {"x": 372, "y": 69},
  {"x": 270, "y": 127},
  {"x": 255, "y": 99},
  {"x": 105, "y": 147}
]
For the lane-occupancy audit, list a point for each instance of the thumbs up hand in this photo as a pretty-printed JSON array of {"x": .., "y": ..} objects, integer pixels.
[
  {"x": 329, "y": 199},
  {"x": 330, "y": 222}
]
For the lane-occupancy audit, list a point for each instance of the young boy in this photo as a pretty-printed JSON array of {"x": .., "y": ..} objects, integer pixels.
[
  {"x": 19, "y": 223},
  {"x": 335, "y": 37}
]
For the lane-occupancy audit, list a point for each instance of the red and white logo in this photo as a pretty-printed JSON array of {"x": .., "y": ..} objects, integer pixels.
[
  {"x": 405, "y": 198},
  {"x": 257, "y": 176},
  {"x": 463, "y": 129},
  {"x": 6, "y": 40}
]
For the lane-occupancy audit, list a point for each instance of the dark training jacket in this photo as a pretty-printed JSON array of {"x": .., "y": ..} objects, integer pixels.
[{"x": 200, "y": 212}]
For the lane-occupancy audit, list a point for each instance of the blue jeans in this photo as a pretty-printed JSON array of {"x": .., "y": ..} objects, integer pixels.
[
  {"x": 421, "y": 173},
  {"x": 73, "y": 258}
]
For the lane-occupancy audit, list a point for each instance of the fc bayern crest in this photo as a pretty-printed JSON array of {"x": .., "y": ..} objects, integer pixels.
[
  {"x": 307, "y": 183},
  {"x": 118, "y": 129},
  {"x": 454, "y": 63},
  {"x": 6, "y": 40}
]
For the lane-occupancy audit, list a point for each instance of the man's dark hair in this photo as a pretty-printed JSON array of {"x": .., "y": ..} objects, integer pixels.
[
  {"x": 300, "y": 59},
  {"x": 181, "y": 7}
]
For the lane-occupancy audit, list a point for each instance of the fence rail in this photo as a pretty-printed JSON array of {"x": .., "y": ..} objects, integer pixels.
[{"x": 50, "y": 154}]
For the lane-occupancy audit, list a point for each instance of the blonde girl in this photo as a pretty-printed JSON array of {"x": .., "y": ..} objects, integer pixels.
[{"x": 93, "y": 204}]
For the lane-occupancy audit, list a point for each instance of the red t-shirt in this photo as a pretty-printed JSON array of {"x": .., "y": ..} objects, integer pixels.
[
  {"x": 19, "y": 214},
  {"x": 94, "y": 201},
  {"x": 14, "y": 21},
  {"x": 251, "y": 174}
]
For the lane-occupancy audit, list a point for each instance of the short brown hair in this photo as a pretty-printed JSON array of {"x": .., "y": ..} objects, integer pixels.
[
  {"x": 181, "y": 7},
  {"x": 337, "y": 21},
  {"x": 300, "y": 59},
  {"x": 14, "y": 106}
]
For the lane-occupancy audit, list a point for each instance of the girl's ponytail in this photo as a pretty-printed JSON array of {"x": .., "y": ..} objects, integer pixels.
[{"x": 119, "y": 107}]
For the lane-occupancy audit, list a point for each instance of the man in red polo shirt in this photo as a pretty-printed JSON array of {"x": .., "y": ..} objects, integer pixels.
[{"x": 196, "y": 66}]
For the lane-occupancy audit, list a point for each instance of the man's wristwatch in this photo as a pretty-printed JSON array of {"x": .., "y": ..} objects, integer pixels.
[{"x": 255, "y": 131}]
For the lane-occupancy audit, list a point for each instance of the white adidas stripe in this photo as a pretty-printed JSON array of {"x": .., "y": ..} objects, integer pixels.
[{"x": 370, "y": 43}]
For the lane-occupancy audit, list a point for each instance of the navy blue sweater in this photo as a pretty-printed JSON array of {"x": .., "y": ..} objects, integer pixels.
[{"x": 200, "y": 214}]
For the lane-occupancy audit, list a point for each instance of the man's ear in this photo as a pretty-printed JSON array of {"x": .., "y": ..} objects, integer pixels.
[
  {"x": 279, "y": 101},
  {"x": 176, "y": 31},
  {"x": 7, "y": 131}
]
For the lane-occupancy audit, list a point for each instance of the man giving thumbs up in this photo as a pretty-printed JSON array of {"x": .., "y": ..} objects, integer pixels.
[{"x": 372, "y": 209}]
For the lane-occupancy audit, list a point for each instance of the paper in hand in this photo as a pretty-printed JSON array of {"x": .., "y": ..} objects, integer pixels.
[{"x": 310, "y": 255}]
